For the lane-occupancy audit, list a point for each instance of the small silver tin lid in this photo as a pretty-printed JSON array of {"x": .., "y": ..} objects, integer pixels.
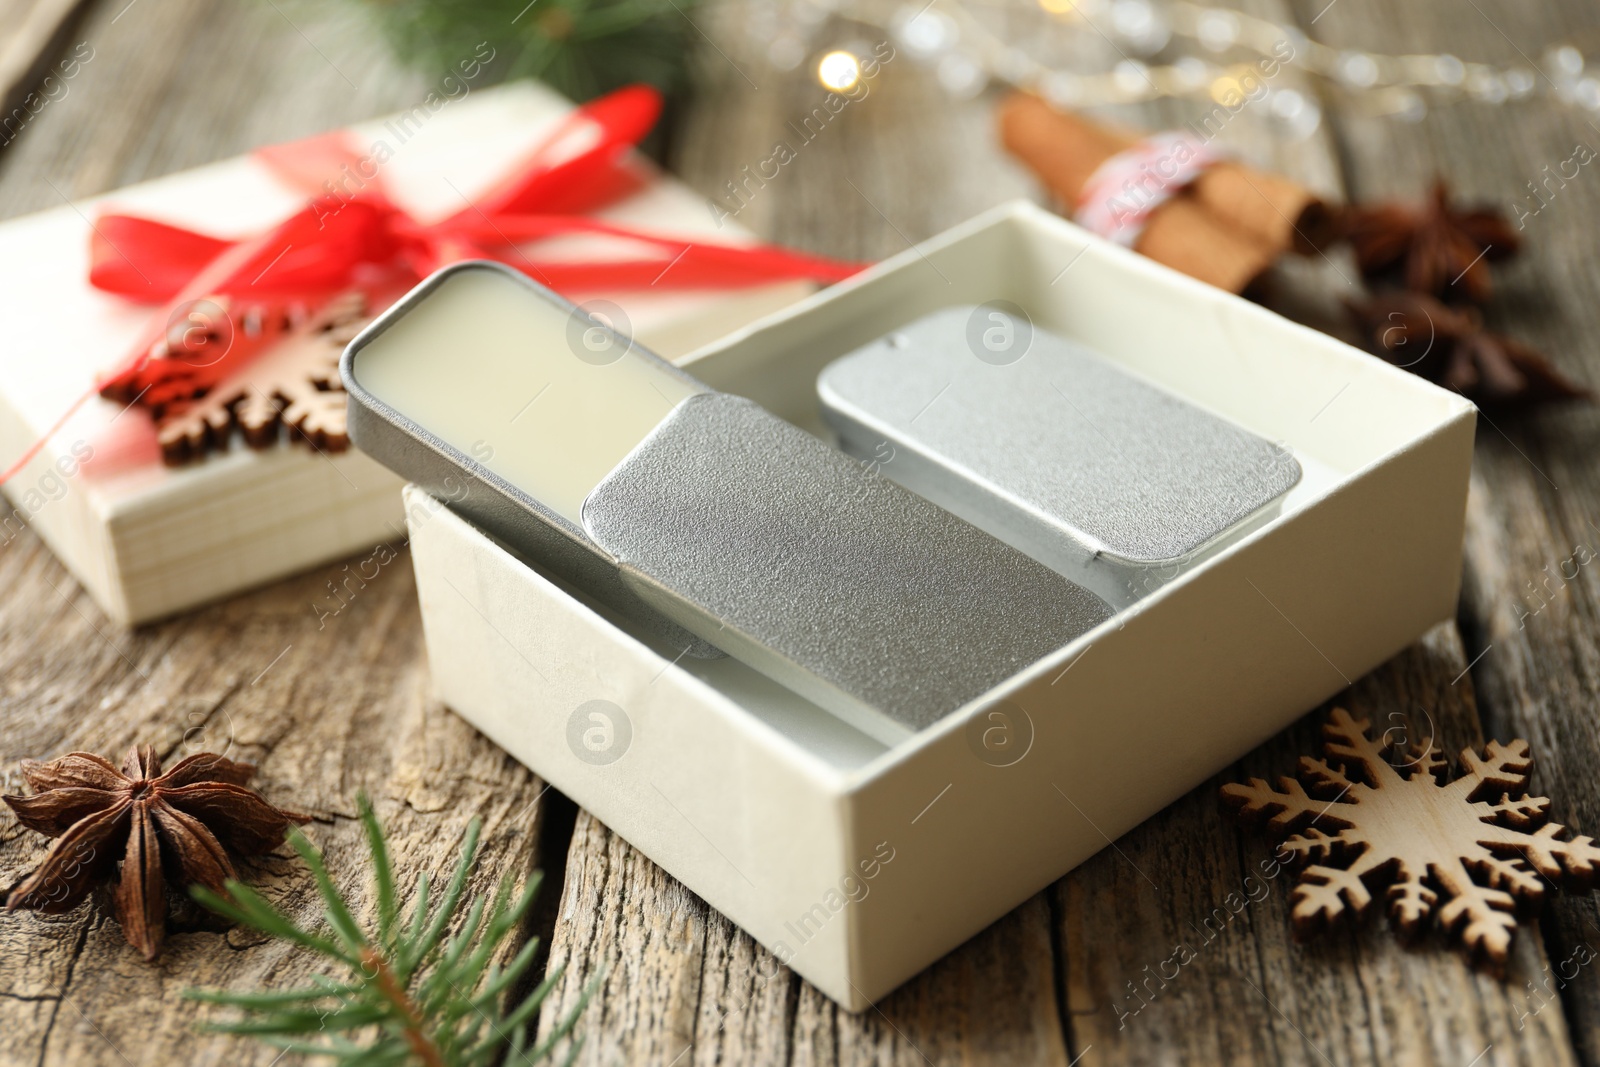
[{"x": 1049, "y": 446}]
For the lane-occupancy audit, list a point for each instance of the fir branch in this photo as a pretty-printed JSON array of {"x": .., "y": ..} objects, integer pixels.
[
  {"x": 581, "y": 47},
  {"x": 411, "y": 995}
]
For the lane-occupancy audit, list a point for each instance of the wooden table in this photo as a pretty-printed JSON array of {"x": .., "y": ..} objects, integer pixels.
[{"x": 175, "y": 83}]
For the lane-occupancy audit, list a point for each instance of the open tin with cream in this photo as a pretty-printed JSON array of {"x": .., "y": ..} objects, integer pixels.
[{"x": 698, "y": 515}]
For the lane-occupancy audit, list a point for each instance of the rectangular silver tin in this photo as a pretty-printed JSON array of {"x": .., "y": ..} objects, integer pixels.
[{"x": 1103, "y": 477}]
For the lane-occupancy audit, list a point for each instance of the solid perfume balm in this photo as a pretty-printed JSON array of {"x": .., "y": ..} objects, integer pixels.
[
  {"x": 553, "y": 426},
  {"x": 699, "y": 516}
]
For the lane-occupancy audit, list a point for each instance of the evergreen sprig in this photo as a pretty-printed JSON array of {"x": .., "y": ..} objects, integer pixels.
[
  {"x": 582, "y": 47},
  {"x": 412, "y": 994}
]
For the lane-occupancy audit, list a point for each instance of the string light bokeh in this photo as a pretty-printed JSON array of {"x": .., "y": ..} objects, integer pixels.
[{"x": 1169, "y": 49}]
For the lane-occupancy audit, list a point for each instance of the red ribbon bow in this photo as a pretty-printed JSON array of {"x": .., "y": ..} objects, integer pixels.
[{"x": 364, "y": 241}]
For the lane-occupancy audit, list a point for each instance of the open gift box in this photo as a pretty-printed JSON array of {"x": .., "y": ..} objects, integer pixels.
[{"x": 858, "y": 863}]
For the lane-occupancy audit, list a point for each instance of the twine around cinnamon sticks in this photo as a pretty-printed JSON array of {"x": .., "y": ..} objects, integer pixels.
[{"x": 1225, "y": 227}]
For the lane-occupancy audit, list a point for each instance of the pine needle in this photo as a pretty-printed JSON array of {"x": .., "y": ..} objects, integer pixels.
[
  {"x": 583, "y": 48},
  {"x": 408, "y": 995}
]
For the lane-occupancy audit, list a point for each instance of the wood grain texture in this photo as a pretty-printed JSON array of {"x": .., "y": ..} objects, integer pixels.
[
  {"x": 326, "y": 712},
  {"x": 329, "y": 712},
  {"x": 32, "y": 73},
  {"x": 681, "y": 984},
  {"x": 1355, "y": 996},
  {"x": 1257, "y": 998},
  {"x": 176, "y": 83},
  {"x": 1530, "y": 608}
]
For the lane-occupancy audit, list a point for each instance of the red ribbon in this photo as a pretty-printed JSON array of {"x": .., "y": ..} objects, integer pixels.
[{"x": 364, "y": 241}]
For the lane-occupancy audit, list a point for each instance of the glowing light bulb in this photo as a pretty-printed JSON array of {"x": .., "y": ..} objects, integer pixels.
[
  {"x": 839, "y": 71},
  {"x": 1236, "y": 85},
  {"x": 1225, "y": 89}
]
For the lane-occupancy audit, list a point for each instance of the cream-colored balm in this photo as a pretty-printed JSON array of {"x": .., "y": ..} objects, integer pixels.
[
  {"x": 548, "y": 397},
  {"x": 700, "y": 517}
]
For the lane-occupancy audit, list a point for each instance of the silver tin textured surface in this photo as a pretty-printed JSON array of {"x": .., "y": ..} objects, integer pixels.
[
  {"x": 860, "y": 595},
  {"x": 730, "y": 529},
  {"x": 1052, "y": 447}
]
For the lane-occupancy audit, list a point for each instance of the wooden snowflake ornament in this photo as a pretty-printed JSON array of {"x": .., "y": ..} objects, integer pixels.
[
  {"x": 1467, "y": 851},
  {"x": 289, "y": 378}
]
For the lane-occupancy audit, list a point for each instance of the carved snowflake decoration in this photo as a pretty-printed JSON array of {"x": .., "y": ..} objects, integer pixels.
[
  {"x": 1478, "y": 843},
  {"x": 292, "y": 382}
]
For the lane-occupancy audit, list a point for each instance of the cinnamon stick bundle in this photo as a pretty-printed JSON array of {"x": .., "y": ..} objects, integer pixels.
[{"x": 1226, "y": 227}]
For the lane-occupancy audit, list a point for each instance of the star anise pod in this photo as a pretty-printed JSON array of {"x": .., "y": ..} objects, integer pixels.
[
  {"x": 1434, "y": 247},
  {"x": 1450, "y": 346},
  {"x": 132, "y": 826}
]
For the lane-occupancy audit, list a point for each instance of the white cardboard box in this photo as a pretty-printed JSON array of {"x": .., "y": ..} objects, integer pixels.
[
  {"x": 147, "y": 540},
  {"x": 858, "y": 866}
]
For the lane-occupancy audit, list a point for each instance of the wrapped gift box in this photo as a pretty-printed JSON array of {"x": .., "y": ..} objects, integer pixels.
[
  {"x": 858, "y": 863},
  {"x": 148, "y": 540}
]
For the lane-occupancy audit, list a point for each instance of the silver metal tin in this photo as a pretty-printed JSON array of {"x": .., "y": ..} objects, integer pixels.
[
  {"x": 495, "y": 505},
  {"x": 742, "y": 532},
  {"x": 856, "y": 593},
  {"x": 1103, "y": 476}
]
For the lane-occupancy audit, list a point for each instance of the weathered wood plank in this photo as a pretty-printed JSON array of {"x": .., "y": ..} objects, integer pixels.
[
  {"x": 178, "y": 83},
  {"x": 32, "y": 76},
  {"x": 1365, "y": 1000},
  {"x": 1530, "y": 608},
  {"x": 1355, "y": 1000},
  {"x": 1250, "y": 995},
  {"x": 681, "y": 983},
  {"x": 1186, "y": 880},
  {"x": 325, "y": 712},
  {"x": 347, "y": 709}
]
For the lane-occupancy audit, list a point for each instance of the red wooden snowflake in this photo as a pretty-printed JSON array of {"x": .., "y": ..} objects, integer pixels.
[{"x": 1478, "y": 843}]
